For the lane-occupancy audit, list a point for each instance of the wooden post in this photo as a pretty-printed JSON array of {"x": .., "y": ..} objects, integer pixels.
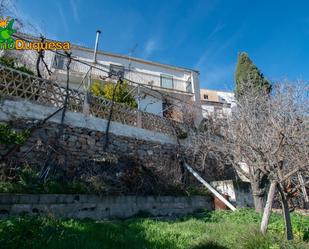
[
  {"x": 209, "y": 187},
  {"x": 86, "y": 106},
  {"x": 139, "y": 119},
  {"x": 303, "y": 188},
  {"x": 268, "y": 207}
]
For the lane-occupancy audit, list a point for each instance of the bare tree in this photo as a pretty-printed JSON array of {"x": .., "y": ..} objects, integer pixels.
[
  {"x": 267, "y": 140},
  {"x": 270, "y": 135}
]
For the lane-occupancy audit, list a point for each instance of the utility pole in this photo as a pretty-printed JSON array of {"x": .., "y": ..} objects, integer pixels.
[
  {"x": 86, "y": 107},
  {"x": 96, "y": 45}
]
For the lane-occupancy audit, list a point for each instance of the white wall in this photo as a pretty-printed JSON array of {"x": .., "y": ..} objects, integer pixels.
[
  {"x": 140, "y": 71},
  {"x": 152, "y": 105},
  {"x": 229, "y": 97},
  {"x": 224, "y": 97},
  {"x": 210, "y": 110}
]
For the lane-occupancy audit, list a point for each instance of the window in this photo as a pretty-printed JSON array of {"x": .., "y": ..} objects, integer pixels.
[
  {"x": 59, "y": 62},
  {"x": 166, "y": 81},
  {"x": 116, "y": 71},
  {"x": 205, "y": 96}
]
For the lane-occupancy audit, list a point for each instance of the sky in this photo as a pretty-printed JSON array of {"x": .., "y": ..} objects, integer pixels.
[{"x": 205, "y": 35}]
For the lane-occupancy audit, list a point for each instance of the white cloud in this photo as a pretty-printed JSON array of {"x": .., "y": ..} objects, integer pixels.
[
  {"x": 150, "y": 46},
  {"x": 62, "y": 16},
  {"x": 216, "y": 30},
  {"x": 74, "y": 8}
]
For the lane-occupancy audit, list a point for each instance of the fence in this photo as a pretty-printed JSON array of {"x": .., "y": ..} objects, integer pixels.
[{"x": 21, "y": 85}]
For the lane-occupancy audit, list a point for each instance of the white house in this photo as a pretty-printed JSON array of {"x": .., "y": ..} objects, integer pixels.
[
  {"x": 217, "y": 102},
  {"x": 161, "y": 86}
]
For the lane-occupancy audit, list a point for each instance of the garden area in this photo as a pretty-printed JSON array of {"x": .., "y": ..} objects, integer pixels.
[{"x": 203, "y": 230}]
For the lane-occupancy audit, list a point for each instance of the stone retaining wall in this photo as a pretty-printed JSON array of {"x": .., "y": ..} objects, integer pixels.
[
  {"x": 95, "y": 207},
  {"x": 147, "y": 161}
]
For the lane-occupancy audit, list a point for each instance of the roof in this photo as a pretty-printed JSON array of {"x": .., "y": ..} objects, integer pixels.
[
  {"x": 87, "y": 49},
  {"x": 215, "y": 103},
  {"x": 136, "y": 59},
  {"x": 212, "y": 90}
]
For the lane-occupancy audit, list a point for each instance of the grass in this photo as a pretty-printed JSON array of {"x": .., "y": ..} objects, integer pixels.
[{"x": 216, "y": 230}]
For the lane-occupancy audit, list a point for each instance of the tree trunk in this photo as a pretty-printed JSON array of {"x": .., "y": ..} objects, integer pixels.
[
  {"x": 257, "y": 198},
  {"x": 258, "y": 184},
  {"x": 268, "y": 207},
  {"x": 286, "y": 215}
]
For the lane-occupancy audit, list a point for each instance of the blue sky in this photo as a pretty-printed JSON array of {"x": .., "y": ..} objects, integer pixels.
[{"x": 205, "y": 35}]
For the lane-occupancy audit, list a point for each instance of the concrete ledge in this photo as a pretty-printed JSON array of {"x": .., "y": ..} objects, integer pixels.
[
  {"x": 96, "y": 207},
  {"x": 29, "y": 110}
]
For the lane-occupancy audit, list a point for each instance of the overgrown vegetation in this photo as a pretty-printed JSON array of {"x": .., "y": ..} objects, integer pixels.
[
  {"x": 9, "y": 136},
  {"x": 20, "y": 175},
  {"x": 221, "y": 230},
  {"x": 122, "y": 94},
  {"x": 27, "y": 181},
  {"x": 12, "y": 63}
]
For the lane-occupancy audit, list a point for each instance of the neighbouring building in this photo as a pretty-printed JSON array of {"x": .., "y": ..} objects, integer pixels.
[
  {"x": 216, "y": 102},
  {"x": 162, "y": 86}
]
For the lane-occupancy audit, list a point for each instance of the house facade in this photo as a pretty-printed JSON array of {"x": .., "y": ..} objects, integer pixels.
[
  {"x": 157, "y": 87},
  {"x": 215, "y": 102}
]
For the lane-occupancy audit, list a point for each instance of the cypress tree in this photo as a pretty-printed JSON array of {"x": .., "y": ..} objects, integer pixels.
[{"x": 247, "y": 74}]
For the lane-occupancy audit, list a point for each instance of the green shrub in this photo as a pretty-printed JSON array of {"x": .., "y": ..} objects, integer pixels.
[
  {"x": 31, "y": 184},
  {"x": 11, "y": 62},
  {"x": 9, "y": 136},
  {"x": 25, "y": 70},
  {"x": 106, "y": 90},
  {"x": 7, "y": 61},
  {"x": 29, "y": 180}
]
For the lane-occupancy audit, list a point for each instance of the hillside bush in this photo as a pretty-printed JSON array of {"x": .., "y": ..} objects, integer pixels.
[{"x": 107, "y": 89}]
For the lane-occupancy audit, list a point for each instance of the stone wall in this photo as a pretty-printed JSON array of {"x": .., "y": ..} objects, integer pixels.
[
  {"x": 146, "y": 163},
  {"x": 95, "y": 207}
]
